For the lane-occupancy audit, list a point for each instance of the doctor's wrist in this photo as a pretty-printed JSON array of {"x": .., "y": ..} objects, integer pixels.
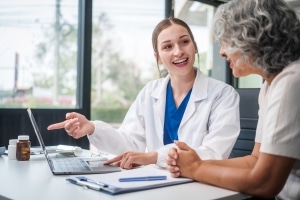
[{"x": 152, "y": 157}]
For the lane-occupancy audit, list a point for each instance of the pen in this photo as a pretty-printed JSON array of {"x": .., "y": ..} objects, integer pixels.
[
  {"x": 143, "y": 178},
  {"x": 88, "y": 184},
  {"x": 83, "y": 178}
]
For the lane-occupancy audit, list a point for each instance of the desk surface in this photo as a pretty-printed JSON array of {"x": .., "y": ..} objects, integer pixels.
[{"x": 22, "y": 180}]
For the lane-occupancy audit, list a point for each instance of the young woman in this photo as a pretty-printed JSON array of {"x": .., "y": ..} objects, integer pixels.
[
  {"x": 258, "y": 37},
  {"x": 185, "y": 105}
]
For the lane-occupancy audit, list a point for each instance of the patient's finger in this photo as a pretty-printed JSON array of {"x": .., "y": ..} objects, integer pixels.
[
  {"x": 170, "y": 161},
  {"x": 175, "y": 175},
  {"x": 173, "y": 153},
  {"x": 182, "y": 145},
  {"x": 174, "y": 171}
]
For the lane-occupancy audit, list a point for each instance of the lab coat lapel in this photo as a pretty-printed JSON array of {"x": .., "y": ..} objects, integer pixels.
[
  {"x": 199, "y": 93},
  {"x": 159, "y": 95}
]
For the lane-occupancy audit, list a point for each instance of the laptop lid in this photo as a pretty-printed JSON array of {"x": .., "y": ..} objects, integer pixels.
[
  {"x": 96, "y": 167},
  {"x": 39, "y": 136}
]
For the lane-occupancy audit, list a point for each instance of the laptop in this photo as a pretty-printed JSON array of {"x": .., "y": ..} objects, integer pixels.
[{"x": 71, "y": 165}]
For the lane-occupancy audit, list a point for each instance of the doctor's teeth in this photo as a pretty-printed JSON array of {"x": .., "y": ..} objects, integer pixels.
[{"x": 180, "y": 61}]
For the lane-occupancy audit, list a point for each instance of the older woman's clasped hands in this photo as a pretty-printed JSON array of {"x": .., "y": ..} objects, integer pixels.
[{"x": 183, "y": 160}]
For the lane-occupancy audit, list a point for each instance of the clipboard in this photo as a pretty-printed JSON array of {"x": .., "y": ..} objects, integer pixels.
[{"x": 109, "y": 183}]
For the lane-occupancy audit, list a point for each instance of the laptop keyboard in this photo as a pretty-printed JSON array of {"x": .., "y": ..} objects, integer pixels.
[{"x": 70, "y": 165}]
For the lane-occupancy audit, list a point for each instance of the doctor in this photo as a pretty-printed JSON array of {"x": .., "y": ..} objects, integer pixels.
[{"x": 185, "y": 105}]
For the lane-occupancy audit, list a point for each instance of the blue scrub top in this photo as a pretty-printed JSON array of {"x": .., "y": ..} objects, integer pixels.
[{"x": 173, "y": 115}]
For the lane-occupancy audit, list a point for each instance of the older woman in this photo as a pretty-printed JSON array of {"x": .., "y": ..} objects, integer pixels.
[{"x": 258, "y": 37}]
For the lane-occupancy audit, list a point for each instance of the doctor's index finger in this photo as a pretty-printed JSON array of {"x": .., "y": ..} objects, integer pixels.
[
  {"x": 56, "y": 126},
  {"x": 113, "y": 160}
]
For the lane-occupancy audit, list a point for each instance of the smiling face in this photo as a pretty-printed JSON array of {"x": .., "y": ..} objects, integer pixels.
[{"x": 176, "y": 50}]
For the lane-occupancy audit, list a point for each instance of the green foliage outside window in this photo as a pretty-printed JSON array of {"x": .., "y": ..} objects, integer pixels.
[{"x": 110, "y": 115}]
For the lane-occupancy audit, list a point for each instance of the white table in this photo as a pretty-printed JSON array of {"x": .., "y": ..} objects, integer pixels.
[{"x": 33, "y": 180}]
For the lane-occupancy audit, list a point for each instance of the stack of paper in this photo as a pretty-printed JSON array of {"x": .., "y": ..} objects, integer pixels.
[{"x": 111, "y": 183}]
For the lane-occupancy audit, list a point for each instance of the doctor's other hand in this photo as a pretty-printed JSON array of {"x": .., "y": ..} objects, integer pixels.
[
  {"x": 76, "y": 125},
  {"x": 183, "y": 161},
  {"x": 129, "y": 160}
]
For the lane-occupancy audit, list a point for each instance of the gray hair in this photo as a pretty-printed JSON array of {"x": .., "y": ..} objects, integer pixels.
[{"x": 267, "y": 31}]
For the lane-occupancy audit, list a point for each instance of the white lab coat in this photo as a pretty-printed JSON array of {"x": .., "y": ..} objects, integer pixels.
[{"x": 210, "y": 123}]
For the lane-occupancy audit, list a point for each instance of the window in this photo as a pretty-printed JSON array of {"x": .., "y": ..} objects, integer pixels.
[
  {"x": 251, "y": 81},
  {"x": 199, "y": 17},
  {"x": 122, "y": 55},
  {"x": 38, "y": 53}
]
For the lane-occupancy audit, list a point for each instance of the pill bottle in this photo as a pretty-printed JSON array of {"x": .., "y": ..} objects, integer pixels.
[
  {"x": 23, "y": 148},
  {"x": 12, "y": 149}
]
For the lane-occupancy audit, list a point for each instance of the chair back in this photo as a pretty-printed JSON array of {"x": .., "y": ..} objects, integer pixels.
[{"x": 248, "y": 119}]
